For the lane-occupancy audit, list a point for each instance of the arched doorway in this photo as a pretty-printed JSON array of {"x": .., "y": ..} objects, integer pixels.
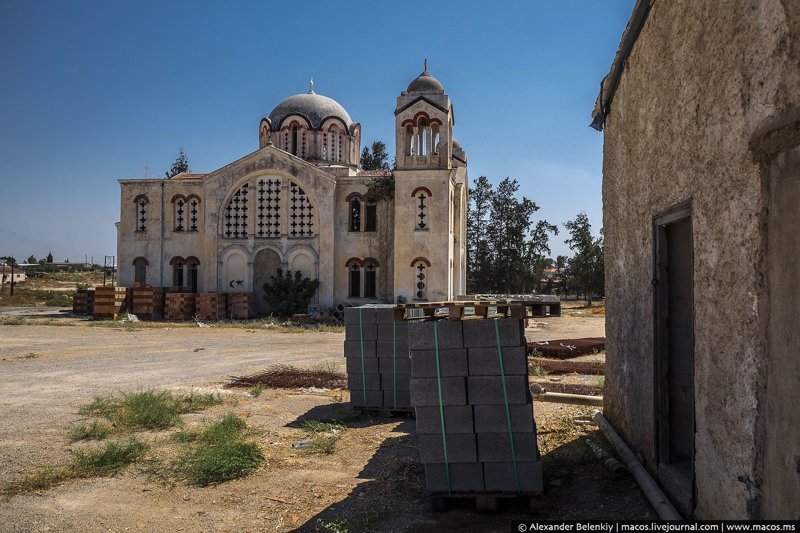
[{"x": 266, "y": 264}]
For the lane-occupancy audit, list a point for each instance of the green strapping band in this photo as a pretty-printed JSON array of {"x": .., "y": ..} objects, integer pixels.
[
  {"x": 441, "y": 408},
  {"x": 505, "y": 399},
  {"x": 361, "y": 336},
  {"x": 394, "y": 362}
]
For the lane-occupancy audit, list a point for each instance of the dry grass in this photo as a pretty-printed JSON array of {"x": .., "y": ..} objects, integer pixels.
[{"x": 291, "y": 377}]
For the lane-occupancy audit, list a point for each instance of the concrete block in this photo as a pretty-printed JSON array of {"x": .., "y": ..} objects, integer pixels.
[
  {"x": 351, "y": 315},
  {"x": 353, "y": 365},
  {"x": 460, "y": 448},
  {"x": 492, "y": 418},
  {"x": 500, "y": 477},
  {"x": 385, "y": 314},
  {"x": 403, "y": 399},
  {"x": 452, "y": 363},
  {"x": 393, "y": 331},
  {"x": 400, "y": 365},
  {"x": 496, "y": 447},
  {"x": 353, "y": 332},
  {"x": 457, "y": 419},
  {"x": 388, "y": 348},
  {"x": 488, "y": 390},
  {"x": 425, "y": 391},
  {"x": 481, "y": 333},
  {"x": 365, "y": 382},
  {"x": 374, "y": 398},
  {"x": 464, "y": 477},
  {"x": 420, "y": 335},
  {"x": 486, "y": 362},
  {"x": 353, "y": 349}
]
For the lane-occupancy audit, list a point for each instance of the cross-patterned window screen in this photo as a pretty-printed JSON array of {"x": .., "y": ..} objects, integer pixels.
[
  {"x": 235, "y": 225},
  {"x": 269, "y": 208},
  {"x": 193, "y": 211},
  {"x": 422, "y": 282},
  {"x": 421, "y": 214},
  {"x": 180, "y": 210},
  {"x": 141, "y": 214},
  {"x": 301, "y": 216}
]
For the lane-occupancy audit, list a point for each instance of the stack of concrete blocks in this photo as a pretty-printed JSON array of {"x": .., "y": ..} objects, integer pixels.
[
  {"x": 475, "y": 410},
  {"x": 381, "y": 380}
]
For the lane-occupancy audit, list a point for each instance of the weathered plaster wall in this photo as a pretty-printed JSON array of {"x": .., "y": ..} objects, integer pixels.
[{"x": 701, "y": 77}]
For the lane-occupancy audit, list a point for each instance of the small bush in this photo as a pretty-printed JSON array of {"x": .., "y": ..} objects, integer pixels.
[
  {"x": 256, "y": 391},
  {"x": 321, "y": 444},
  {"x": 41, "y": 479},
  {"x": 108, "y": 460},
  {"x": 207, "y": 465},
  {"x": 93, "y": 431},
  {"x": 289, "y": 294},
  {"x": 318, "y": 426},
  {"x": 152, "y": 409}
]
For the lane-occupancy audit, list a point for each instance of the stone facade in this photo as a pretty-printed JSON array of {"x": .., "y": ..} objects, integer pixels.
[
  {"x": 300, "y": 203},
  {"x": 705, "y": 119}
]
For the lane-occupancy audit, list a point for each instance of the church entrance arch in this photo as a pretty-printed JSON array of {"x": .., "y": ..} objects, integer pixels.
[{"x": 266, "y": 264}]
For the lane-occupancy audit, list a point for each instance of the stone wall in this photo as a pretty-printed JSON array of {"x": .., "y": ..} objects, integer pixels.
[{"x": 701, "y": 78}]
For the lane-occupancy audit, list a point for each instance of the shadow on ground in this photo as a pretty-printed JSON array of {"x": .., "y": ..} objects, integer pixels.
[{"x": 392, "y": 495}]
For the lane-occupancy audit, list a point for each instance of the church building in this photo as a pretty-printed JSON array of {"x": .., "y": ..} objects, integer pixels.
[{"x": 301, "y": 203}]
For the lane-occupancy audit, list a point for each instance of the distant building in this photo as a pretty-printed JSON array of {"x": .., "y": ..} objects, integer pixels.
[
  {"x": 300, "y": 202},
  {"x": 701, "y": 205},
  {"x": 5, "y": 274}
]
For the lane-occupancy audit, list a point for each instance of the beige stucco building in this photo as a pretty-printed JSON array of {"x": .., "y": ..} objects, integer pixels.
[
  {"x": 300, "y": 203},
  {"x": 701, "y": 188}
]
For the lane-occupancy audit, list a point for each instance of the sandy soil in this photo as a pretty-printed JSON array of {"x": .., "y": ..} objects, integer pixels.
[{"x": 372, "y": 482}]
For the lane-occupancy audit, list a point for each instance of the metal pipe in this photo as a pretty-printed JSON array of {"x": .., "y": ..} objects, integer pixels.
[
  {"x": 573, "y": 399},
  {"x": 651, "y": 490},
  {"x": 609, "y": 462}
]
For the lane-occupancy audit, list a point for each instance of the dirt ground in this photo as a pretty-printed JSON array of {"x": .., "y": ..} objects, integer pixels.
[{"x": 372, "y": 482}]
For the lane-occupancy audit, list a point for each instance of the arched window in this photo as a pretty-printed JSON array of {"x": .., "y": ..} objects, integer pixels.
[
  {"x": 370, "y": 278},
  {"x": 339, "y": 148},
  {"x": 177, "y": 271},
  {"x": 269, "y": 208},
  {"x": 293, "y": 149},
  {"x": 355, "y": 215},
  {"x": 191, "y": 267},
  {"x": 409, "y": 140},
  {"x": 141, "y": 202},
  {"x": 301, "y": 212},
  {"x": 140, "y": 271},
  {"x": 235, "y": 217},
  {"x": 420, "y": 266},
  {"x": 421, "y": 194},
  {"x": 370, "y": 215},
  {"x": 325, "y": 146},
  {"x": 354, "y": 278},
  {"x": 179, "y": 212},
  {"x": 193, "y": 204},
  {"x": 422, "y": 136},
  {"x": 436, "y": 139}
]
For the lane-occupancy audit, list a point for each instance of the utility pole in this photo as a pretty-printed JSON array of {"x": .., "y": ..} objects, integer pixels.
[{"x": 12, "y": 276}]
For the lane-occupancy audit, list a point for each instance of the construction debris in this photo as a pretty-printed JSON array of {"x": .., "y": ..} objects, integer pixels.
[{"x": 289, "y": 377}]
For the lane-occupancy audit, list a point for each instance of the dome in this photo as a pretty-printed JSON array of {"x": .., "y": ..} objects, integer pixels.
[
  {"x": 425, "y": 82},
  {"x": 315, "y": 107}
]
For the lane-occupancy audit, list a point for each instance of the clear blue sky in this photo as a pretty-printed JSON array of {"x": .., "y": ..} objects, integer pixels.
[{"x": 95, "y": 91}]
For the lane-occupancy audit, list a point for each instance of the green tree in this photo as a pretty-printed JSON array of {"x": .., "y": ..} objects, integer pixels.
[
  {"x": 290, "y": 293},
  {"x": 539, "y": 252},
  {"x": 31, "y": 260},
  {"x": 479, "y": 259},
  {"x": 181, "y": 164},
  {"x": 585, "y": 268},
  {"x": 49, "y": 257},
  {"x": 375, "y": 159}
]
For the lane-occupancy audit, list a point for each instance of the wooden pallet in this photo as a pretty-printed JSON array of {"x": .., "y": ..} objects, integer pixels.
[
  {"x": 384, "y": 412},
  {"x": 476, "y": 309},
  {"x": 486, "y": 502}
]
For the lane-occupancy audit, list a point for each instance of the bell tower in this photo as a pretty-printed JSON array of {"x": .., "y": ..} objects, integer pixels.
[{"x": 424, "y": 125}]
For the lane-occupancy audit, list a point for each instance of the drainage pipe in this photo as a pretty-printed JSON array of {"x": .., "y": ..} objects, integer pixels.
[
  {"x": 541, "y": 395},
  {"x": 651, "y": 490}
]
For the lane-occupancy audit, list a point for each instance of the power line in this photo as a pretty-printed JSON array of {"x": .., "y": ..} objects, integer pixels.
[{"x": 39, "y": 244}]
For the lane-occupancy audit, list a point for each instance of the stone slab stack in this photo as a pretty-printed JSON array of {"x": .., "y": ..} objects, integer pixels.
[
  {"x": 83, "y": 302},
  {"x": 142, "y": 302},
  {"x": 241, "y": 305},
  {"x": 212, "y": 306},
  {"x": 474, "y": 416},
  {"x": 108, "y": 302},
  {"x": 376, "y": 356},
  {"x": 180, "y": 305}
]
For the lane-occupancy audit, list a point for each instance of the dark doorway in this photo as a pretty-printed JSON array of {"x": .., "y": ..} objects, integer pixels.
[
  {"x": 192, "y": 276},
  {"x": 140, "y": 271},
  {"x": 674, "y": 350}
]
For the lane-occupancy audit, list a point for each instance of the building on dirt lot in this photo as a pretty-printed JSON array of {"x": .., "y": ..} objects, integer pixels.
[
  {"x": 300, "y": 203},
  {"x": 701, "y": 188}
]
